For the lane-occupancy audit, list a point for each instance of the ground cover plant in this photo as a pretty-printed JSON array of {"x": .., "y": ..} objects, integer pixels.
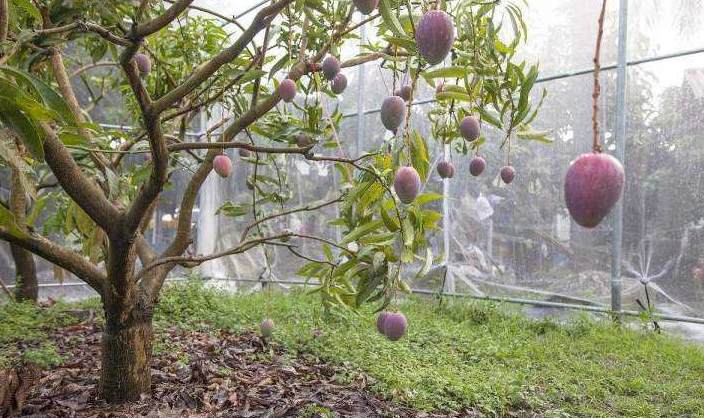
[{"x": 459, "y": 358}]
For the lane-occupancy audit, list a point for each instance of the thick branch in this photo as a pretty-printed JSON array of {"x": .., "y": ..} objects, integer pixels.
[
  {"x": 81, "y": 188},
  {"x": 207, "y": 69},
  {"x": 62, "y": 257},
  {"x": 160, "y": 154},
  {"x": 4, "y": 19}
]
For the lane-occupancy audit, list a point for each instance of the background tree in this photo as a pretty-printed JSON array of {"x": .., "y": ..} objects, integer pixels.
[{"x": 170, "y": 65}]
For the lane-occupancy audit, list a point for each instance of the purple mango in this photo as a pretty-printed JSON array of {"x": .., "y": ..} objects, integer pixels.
[
  {"x": 395, "y": 326},
  {"x": 287, "y": 90},
  {"x": 393, "y": 112},
  {"x": 407, "y": 184},
  {"x": 508, "y": 173},
  {"x": 593, "y": 185},
  {"x": 338, "y": 84},
  {"x": 435, "y": 34},
  {"x": 469, "y": 128},
  {"x": 446, "y": 169},
  {"x": 477, "y": 166},
  {"x": 331, "y": 67},
  {"x": 366, "y": 6}
]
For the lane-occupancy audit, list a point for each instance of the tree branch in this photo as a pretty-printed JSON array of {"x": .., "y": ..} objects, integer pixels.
[
  {"x": 288, "y": 212},
  {"x": 207, "y": 69},
  {"x": 62, "y": 257},
  {"x": 77, "y": 185},
  {"x": 145, "y": 29}
]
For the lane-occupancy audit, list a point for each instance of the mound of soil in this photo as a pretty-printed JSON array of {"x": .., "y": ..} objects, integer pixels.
[{"x": 200, "y": 374}]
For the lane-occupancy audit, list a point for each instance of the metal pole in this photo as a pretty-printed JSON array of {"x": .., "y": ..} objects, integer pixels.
[
  {"x": 617, "y": 219},
  {"x": 446, "y": 225},
  {"x": 360, "y": 93}
]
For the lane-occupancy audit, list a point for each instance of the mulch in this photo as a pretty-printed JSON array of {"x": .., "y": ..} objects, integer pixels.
[{"x": 201, "y": 375}]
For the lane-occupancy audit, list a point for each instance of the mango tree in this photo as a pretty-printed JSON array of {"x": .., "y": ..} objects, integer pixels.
[{"x": 172, "y": 61}]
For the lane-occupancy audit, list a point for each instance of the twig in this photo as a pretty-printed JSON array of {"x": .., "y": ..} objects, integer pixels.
[
  {"x": 596, "y": 145},
  {"x": 7, "y": 291}
]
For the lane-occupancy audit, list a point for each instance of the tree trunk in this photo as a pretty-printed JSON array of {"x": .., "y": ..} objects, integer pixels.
[
  {"x": 25, "y": 270},
  {"x": 26, "y": 288},
  {"x": 127, "y": 352}
]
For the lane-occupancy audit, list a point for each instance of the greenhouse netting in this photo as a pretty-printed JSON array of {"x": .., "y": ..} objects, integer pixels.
[{"x": 505, "y": 241}]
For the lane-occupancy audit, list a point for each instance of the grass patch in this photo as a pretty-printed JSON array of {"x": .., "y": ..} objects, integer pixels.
[
  {"x": 474, "y": 354},
  {"x": 456, "y": 355},
  {"x": 30, "y": 325}
]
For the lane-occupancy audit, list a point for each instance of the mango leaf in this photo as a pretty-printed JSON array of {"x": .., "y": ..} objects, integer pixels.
[
  {"x": 234, "y": 210},
  {"x": 24, "y": 127},
  {"x": 531, "y": 135},
  {"x": 390, "y": 18},
  {"x": 361, "y": 230},
  {"x": 419, "y": 155},
  {"x": 50, "y": 98},
  {"x": 446, "y": 72},
  {"x": 454, "y": 95},
  {"x": 427, "y": 198},
  {"x": 8, "y": 221}
]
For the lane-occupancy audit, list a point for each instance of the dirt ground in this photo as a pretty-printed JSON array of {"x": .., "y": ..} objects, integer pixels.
[{"x": 197, "y": 374}]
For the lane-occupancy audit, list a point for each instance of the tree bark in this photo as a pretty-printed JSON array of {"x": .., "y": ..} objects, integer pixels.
[
  {"x": 127, "y": 351},
  {"x": 25, "y": 270},
  {"x": 26, "y": 288}
]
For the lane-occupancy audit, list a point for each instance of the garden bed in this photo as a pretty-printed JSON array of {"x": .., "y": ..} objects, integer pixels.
[{"x": 458, "y": 359}]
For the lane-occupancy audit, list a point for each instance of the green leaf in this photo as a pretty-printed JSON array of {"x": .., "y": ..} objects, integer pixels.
[
  {"x": 427, "y": 198},
  {"x": 28, "y": 8},
  {"x": 419, "y": 155},
  {"x": 454, "y": 95},
  {"x": 361, "y": 231},
  {"x": 407, "y": 232},
  {"x": 234, "y": 210},
  {"x": 8, "y": 221},
  {"x": 446, "y": 72},
  {"x": 531, "y": 135},
  {"x": 390, "y": 18},
  {"x": 24, "y": 127},
  {"x": 390, "y": 223},
  {"x": 50, "y": 98},
  {"x": 428, "y": 263}
]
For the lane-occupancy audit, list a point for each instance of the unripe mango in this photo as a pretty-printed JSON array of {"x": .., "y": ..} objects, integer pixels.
[
  {"x": 477, "y": 166},
  {"x": 393, "y": 112},
  {"x": 287, "y": 90}
]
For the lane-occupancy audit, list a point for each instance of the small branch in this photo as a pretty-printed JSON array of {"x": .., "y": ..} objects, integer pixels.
[
  {"x": 207, "y": 69},
  {"x": 234, "y": 144},
  {"x": 285, "y": 213},
  {"x": 145, "y": 29},
  {"x": 76, "y": 184},
  {"x": 213, "y": 13},
  {"x": 7, "y": 291},
  {"x": 86, "y": 27},
  {"x": 596, "y": 145},
  {"x": 87, "y": 67}
]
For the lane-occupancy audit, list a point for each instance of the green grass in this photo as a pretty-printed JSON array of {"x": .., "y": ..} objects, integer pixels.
[
  {"x": 27, "y": 324},
  {"x": 460, "y": 354},
  {"x": 475, "y": 354}
]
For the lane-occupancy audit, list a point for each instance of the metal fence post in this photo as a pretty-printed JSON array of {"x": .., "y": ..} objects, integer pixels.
[
  {"x": 446, "y": 225},
  {"x": 621, "y": 112}
]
